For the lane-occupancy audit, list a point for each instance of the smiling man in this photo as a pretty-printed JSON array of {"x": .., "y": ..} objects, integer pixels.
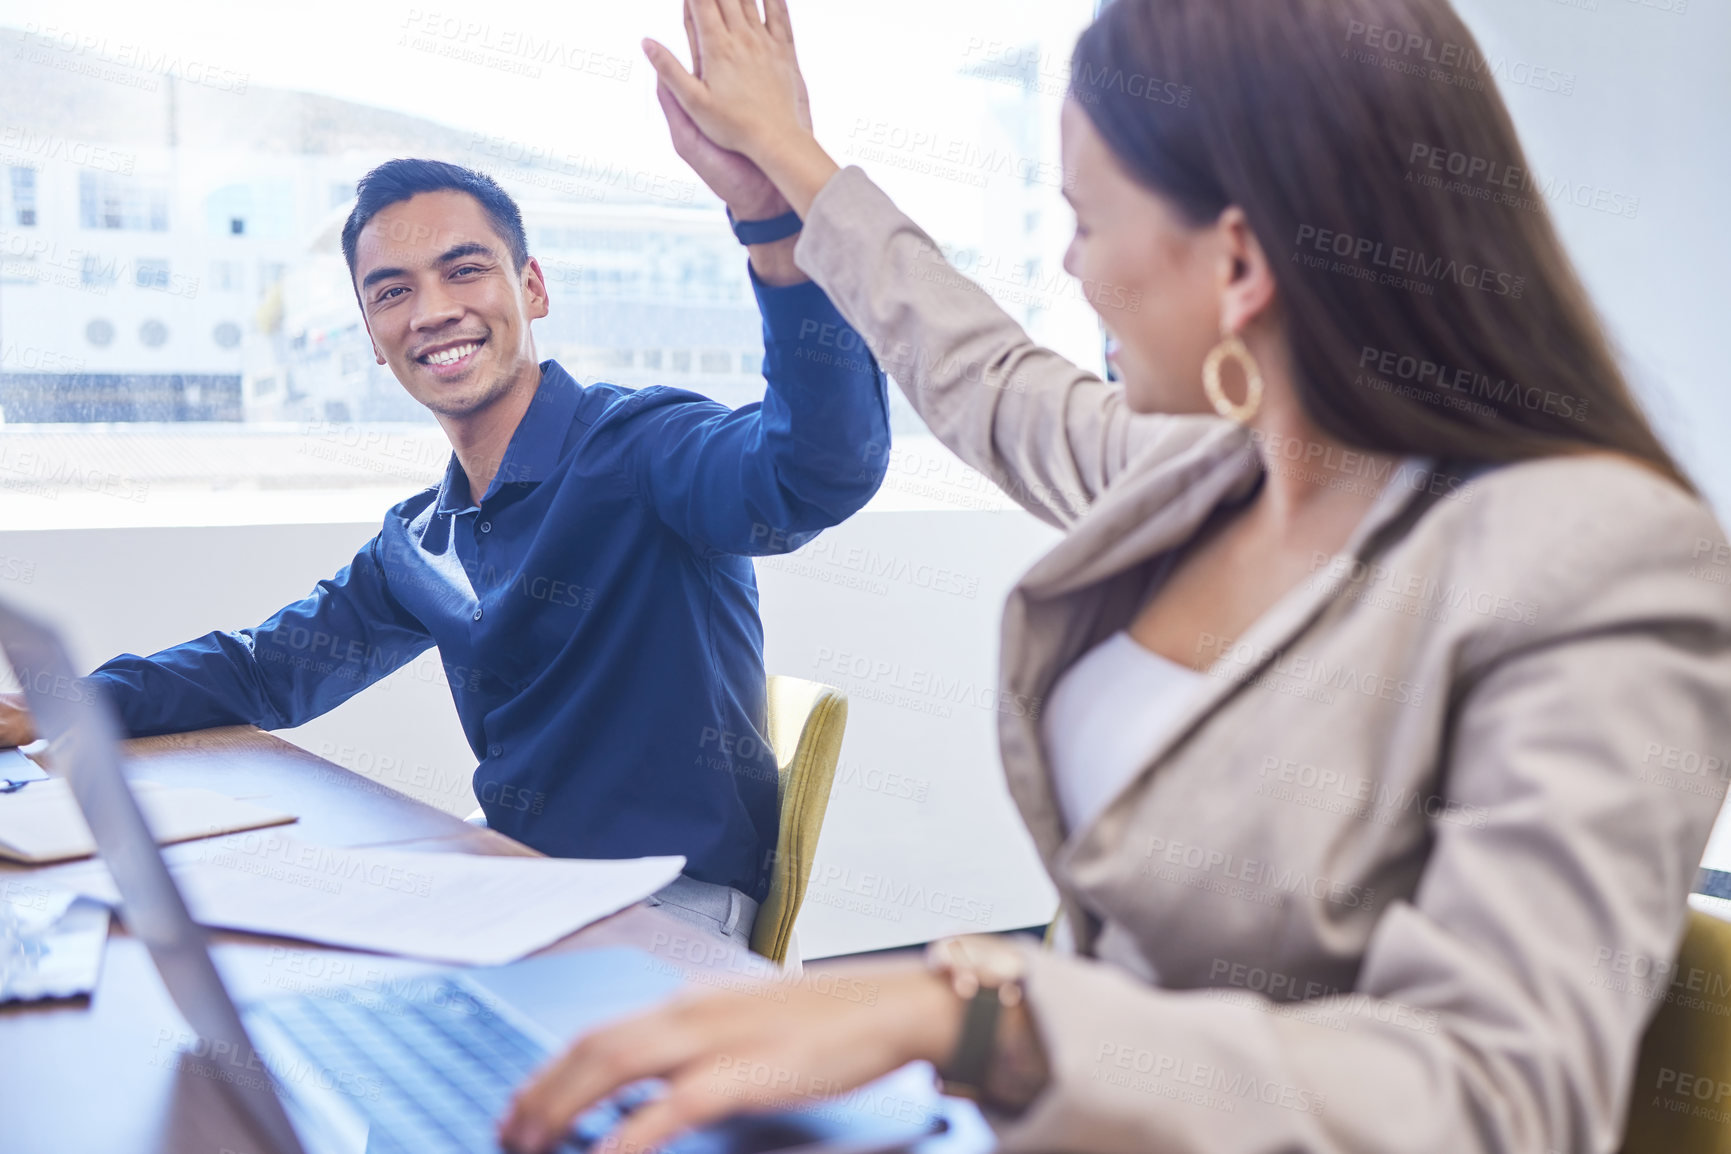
[{"x": 584, "y": 567}]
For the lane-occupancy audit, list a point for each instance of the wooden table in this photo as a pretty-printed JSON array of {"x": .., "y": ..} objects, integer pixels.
[{"x": 100, "y": 1076}]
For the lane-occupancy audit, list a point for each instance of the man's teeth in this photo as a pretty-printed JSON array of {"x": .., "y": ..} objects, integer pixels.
[{"x": 450, "y": 356}]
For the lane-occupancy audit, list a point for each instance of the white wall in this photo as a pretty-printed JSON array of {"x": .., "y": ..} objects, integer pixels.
[
  {"x": 921, "y": 838},
  {"x": 1646, "y": 120}
]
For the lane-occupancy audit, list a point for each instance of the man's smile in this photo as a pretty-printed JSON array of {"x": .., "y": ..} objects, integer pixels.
[{"x": 452, "y": 357}]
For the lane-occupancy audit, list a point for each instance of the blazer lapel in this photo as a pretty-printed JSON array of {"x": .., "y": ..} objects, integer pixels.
[
  {"x": 1049, "y": 616},
  {"x": 1052, "y": 616},
  {"x": 1141, "y": 517},
  {"x": 1262, "y": 643}
]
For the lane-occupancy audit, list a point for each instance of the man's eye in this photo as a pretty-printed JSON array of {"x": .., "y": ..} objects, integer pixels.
[
  {"x": 387, "y": 294},
  {"x": 467, "y": 268}
]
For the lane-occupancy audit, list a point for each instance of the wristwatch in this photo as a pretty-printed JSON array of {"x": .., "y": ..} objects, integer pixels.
[
  {"x": 988, "y": 974},
  {"x": 769, "y": 231}
]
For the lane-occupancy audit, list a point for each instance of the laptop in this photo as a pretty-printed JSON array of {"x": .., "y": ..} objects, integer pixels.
[{"x": 325, "y": 1072}]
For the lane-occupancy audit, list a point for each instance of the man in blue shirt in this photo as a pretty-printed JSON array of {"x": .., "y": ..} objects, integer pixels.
[{"x": 584, "y": 567}]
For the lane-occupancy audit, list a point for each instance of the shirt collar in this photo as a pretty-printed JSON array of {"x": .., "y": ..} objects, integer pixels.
[{"x": 535, "y": 445}]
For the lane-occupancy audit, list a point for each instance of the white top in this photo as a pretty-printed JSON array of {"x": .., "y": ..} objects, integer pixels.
[{"x": 1105, "y": 714}]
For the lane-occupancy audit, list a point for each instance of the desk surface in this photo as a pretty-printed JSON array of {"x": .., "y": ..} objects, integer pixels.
[{"x": 100, "y": 1076}]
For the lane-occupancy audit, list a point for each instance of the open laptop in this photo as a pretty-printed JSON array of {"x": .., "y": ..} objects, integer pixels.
[{"x": 324, "y": 1072}]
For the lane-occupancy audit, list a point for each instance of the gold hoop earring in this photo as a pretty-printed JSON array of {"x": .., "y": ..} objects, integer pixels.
[{"x": 1231, "y": 345}]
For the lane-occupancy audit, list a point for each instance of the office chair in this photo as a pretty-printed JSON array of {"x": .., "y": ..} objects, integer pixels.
[
  {"x": 1687, "y": 1050},
  {"x": 806, "y": 721}
]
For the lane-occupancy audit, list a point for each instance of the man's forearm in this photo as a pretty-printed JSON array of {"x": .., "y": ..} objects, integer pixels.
[
  {"x": 825, "y": 417},
  {"x": 197, "y": 685},
  {"x": 773, "y": 263},
  {"x": 801, "y": 169}
]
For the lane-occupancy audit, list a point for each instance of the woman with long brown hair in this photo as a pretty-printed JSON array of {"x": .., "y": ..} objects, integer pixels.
[{"x": 1353, "y": 678}]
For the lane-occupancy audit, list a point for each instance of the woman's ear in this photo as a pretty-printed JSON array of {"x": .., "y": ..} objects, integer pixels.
[{"x": 1246, "y": 278}]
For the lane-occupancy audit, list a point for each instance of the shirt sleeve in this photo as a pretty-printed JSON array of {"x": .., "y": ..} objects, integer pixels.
[
  {"x": 767, "y": 477},
  {"x": 305, "y": 661}
]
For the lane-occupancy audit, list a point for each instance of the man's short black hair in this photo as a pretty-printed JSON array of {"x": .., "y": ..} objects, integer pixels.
[{"x": 397, "y": 180}]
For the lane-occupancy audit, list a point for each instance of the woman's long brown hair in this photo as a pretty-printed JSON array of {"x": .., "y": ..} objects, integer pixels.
[{"x": 1429, "y": 302}]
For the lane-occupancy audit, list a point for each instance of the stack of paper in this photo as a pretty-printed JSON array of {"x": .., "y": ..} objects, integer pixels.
[{"x": 41, "y": 822}]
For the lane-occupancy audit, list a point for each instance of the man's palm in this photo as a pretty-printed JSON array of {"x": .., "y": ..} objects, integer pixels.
[{"x": 740, "y": 184}]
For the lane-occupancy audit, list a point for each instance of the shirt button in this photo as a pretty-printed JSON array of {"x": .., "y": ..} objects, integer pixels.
[
  {"x": 477, "y": 615},
  {"x": 495, "y": 751},
  {"x": 486, "y": 526}
]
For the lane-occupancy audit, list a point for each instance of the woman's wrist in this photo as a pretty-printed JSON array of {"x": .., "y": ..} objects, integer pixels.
[
  {"x": 798, "y": 166},
  {"x": 933, "y": 1018},
  {"x": 1018, "y": 1071}
]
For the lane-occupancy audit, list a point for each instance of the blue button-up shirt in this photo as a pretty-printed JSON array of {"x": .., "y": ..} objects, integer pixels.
[{"x": 595, "y": 610}]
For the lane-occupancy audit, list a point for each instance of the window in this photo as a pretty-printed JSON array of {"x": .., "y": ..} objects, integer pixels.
[
  {"x": 195, "y": 257},
  {"x": 226, "y": 275},
  {"x": 23, "y": 188},
  {"x": 95, "y": 271},
  {"x": 151, "y": 273},
  {"x": 111, "y": 201}
]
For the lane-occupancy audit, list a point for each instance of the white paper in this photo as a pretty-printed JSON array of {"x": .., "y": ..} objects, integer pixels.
[
  {"x": 42, "y": 823},
  {"x": 448, "y": 907}
]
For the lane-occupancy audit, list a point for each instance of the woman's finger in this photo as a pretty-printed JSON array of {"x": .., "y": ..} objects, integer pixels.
[
  {"x": 686, "y": 88},
  {"x": 589, "y": 1071},
  {"x": 777, "y": 20},
  {"x": 691, "y": 39},
  {"x": 713, "y": 16},
  {"x": 696, "y": 1097},
  {"x": 748, "y": 11}
]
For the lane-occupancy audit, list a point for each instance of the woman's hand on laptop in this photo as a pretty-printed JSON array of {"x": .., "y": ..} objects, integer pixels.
[
  {"x": 17, "y": 727},
  {"x": 777, "y": 1045},
  {"x": 745, "y": 93}
]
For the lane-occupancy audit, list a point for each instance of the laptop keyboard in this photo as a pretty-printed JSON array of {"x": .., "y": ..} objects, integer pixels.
[{"x": 432, "y": 1075}]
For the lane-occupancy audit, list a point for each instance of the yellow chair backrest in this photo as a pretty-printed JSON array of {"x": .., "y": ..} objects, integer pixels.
[
  {"x": 806, "y": 721},
  {"x": 1682, "y": 1095}
]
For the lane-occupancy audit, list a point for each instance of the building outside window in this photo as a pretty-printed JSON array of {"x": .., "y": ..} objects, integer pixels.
[
  {"x": 22, "y": 182},
  {"x": 109, "y": 200}
]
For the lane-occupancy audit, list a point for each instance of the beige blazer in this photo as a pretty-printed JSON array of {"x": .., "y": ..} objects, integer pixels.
[{"x": 1382, "y": 888}]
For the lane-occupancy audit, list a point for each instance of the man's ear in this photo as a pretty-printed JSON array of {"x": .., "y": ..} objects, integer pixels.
[{"x": 535, "y": 294}]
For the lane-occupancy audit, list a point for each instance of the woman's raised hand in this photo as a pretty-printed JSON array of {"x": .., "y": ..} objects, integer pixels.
[{"x": 744, "y": 90}]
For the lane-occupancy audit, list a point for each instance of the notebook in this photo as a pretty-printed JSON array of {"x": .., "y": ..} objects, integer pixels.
[{"x": 40, "y": 823}]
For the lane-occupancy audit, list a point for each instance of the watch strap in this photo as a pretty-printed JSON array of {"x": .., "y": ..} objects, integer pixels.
[
  {"x": 768, "y": 231},
  {"x": 966, "y": 1073}
]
